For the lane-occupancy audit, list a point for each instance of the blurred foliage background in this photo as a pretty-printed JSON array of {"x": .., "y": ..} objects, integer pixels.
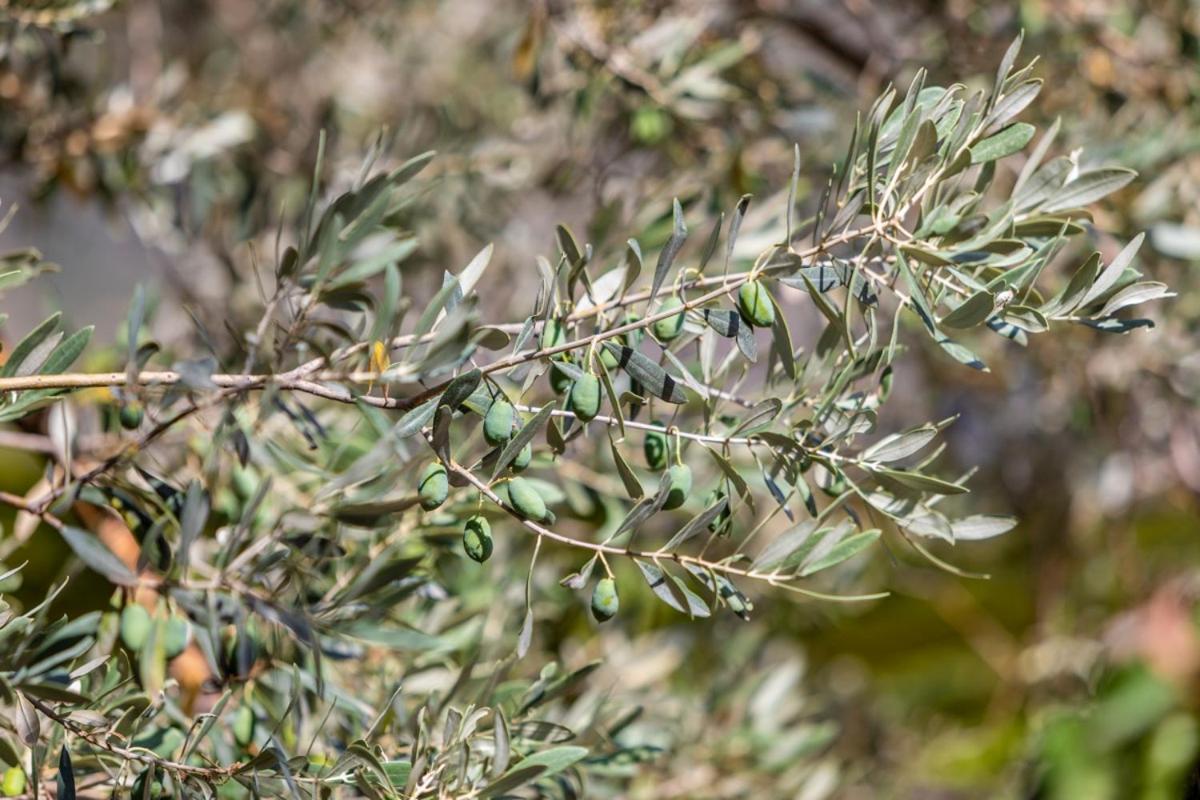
[{"x": 149, "y": 142}]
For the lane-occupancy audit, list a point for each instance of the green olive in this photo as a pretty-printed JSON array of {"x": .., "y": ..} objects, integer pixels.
[
  {"x": 498, "y": 423},
  {"x": 131, "y": 415},
  {"x": 553, "y": 334},
  {"x": 12, "y": 582},
  {"x": 477, "y": 538},
  {"x": 560, "y": 381},
  {"x": 14, "y": 782},
  {"x": 605, "y": 602},
  {"x": 178, "y": 633},
  {"x": 243, "y": 726},
  {"x": 526, "y": 499},
  {"x": 654, "y": 446},
  {"x": 434, "y": 486},
  {"x": 135, "y": 626},
  {"x": 524, "y": 456},
  {"x": 680, "y": 486},
  {"x": 585, "y": 397},
  {"x": 754, "y": 302},
  {"x": 670, "y": 327}
]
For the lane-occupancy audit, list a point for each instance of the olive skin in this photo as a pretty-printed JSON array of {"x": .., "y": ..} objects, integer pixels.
[
  {"x": 585, "y": 397},
  {"x": 605, "y": 602},
  {"x": 135, "y": 626},
  {"x": 654, "y": 447},
  {"x": 680, "y": 486},
  {"x": 669, "y": 328},
  {"x": 14, "y": 782},
  {"x": 178, "y": 633},
  {"x": 526, "y": 499},
  {"x": 754, "y": 303},
  {"x": 477, "y": 538},
  {"x": 498, "y": 423},
  {"x": 434, "y": 486},
  {"x": 131, "y": 415}
]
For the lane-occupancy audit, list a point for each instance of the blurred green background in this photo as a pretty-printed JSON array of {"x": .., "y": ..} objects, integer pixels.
[{"x": 149, "y": 141}]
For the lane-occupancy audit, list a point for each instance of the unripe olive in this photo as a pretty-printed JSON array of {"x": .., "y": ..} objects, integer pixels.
[
  {"x": 14, "y": 782},
  {"x": 526, "y": 499},
  {"x": 670, "y": 327},
  {"x": 605, "y": 602},
  {"x": 552, "y": 334},
  {"x": 607, "y": 357},
  {"x": 477, "y": 538},
  {"x": 754, "y": 302},
  {"x": 12, "y": 582},
  {"x": 680, "y": 486},
  {"x": 135, "y": 626},
  {"x": 176, "y": 636},
  {"x": 560, "y": 381},
  {"x": 655, "y": 447},
  {"x": 524, "y": 456},
  {"x": 131, "y": 415},
  {"x": 498, "y": 423},
  {"x": 434, "y": 486},
  {"x": 243, "y": 726},
  {"x": 585, "y": 397}
]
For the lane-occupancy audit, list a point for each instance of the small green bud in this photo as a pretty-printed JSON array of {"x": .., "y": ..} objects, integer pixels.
[
  {"x": 477, "y": 538},
  {"x": 526, "y": 499},
  {"x": 654, "y": 446},
  {"x": 434, "y": 486},
  {"x": 585, "y": 397},
  {"x": 754, "y": 303},
  {"x": 605, "y": 602},
  {"x": 669, "y": 328},
  {"x": 131, "y": 415},
  {"x": 498, "y": 423},
  {"x": 680, "y": 486},
  {"x": 135, "y": 626}
]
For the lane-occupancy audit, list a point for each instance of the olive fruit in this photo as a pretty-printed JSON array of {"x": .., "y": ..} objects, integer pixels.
[
  {"x": 434, "y": 486},
  {"x": 243, "y": 726},
  {"x": 526, "y": 499},
  {"x": 680, "y": 486},
  {"x": 585, "y": 397},
  {"x": 131, "y": 415},
  {"x": 135, "y": 626},
  {"x": 553, "y": 333},
  {"x": 477, "y": 538},
  {"x": 670, "y": 327},
  {"x": 560, "y": 381},
  {"x": 604, "y": 600},
  {"x": 524, "y": 456},
  {"x": 498, "y": 423},
  {"x": 178, "y": 633},
  {"x": 11, "y": 583},
  {"x": 754, "y": 302},
  {"x": 655, "y": 447},
  {"x": 14, "y": 782}
]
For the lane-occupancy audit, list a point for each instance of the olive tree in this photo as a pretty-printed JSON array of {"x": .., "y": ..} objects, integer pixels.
[{"x": 282, "y": 519}]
